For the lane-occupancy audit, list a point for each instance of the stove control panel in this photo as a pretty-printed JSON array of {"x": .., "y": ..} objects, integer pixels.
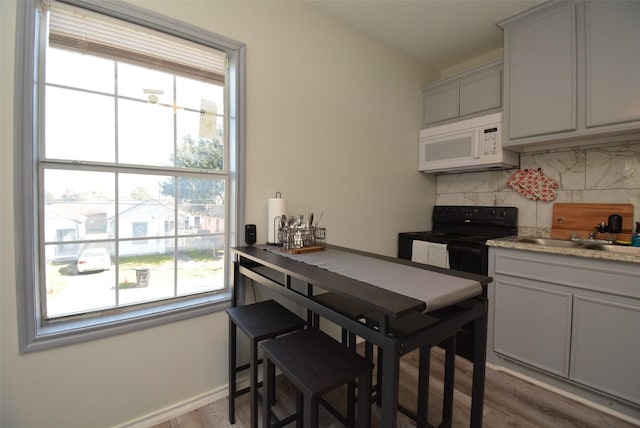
[{"x": 501, "y": 216}]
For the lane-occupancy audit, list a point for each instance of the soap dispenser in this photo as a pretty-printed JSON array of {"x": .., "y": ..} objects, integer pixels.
[{"x": 635, "y": 239}]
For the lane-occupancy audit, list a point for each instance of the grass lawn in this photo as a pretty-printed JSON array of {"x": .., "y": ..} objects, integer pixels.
[{"x": 191, "y": 264}]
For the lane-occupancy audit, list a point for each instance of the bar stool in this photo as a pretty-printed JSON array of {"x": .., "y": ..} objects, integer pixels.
[
  {"x": 347, "y": 307},
  {"x": 402, "y": 328},
  {"x": 315, "y": 364},
  {"x": 355, "y": 311},
  {"x": 258, "y": 321}
]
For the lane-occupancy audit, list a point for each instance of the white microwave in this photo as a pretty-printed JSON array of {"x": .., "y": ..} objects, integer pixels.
[{"x": 468, "y": 145}]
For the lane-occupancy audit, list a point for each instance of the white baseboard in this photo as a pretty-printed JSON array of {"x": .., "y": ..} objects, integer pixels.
[
  {"x": 176, "y": 409},
  {"x": 564, "y": 393}
]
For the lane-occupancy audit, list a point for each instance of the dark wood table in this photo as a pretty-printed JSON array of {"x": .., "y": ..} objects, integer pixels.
[{"x": 278, "y": 272}]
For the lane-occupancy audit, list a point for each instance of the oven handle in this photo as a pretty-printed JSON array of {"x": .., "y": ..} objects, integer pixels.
[{"x": 464, "y": 249}]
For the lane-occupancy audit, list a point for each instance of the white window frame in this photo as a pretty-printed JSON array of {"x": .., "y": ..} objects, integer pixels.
[{"x": 35, "y": 333}]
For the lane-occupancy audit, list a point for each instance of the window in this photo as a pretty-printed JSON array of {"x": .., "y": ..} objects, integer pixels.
[{"x": 128, "y": 131}]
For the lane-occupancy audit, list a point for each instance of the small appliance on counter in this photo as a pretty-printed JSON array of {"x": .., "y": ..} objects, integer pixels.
[
  {"x": 615, "y": 223},
  {"x": 635, "y": 238}
]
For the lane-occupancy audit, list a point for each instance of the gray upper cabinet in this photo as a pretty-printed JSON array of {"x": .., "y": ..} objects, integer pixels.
[
  {"x": 540, "y": 75},
  {"x": 473, "y": 93},
  {"x": 440, "y": 104},
  {"x": 613, "y": 72},
  {"x": 571, "y": 74}
]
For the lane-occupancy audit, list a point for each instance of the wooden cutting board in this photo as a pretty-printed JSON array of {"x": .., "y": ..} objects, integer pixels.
[{"x": 583, "y": 218}]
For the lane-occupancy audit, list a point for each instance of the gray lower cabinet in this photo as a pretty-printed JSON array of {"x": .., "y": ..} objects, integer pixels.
[
  {"x": 571, "y": 73},
  {"x": 521, "y": 333},
  {"x": 605, "y": 344},
  {"x": 569, "y": 320},
  {"x": 472, "y": 93}
]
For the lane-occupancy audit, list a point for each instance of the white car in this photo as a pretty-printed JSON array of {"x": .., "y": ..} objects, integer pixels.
[{"x": 94, "y": 259}]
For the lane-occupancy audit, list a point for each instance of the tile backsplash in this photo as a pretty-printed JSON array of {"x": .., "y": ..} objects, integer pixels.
[{"x": 596, "y": 175}]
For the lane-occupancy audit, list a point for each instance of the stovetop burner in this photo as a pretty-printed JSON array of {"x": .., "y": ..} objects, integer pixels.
[{"x": 471, "y": 225}]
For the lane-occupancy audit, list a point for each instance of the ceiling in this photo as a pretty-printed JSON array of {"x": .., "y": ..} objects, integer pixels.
[{"x": 439, "y": 33}]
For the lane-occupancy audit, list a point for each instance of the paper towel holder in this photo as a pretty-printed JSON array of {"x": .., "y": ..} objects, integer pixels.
[
  {"x": 276, "y": 221},
  {"x": 274, "y": 216}
]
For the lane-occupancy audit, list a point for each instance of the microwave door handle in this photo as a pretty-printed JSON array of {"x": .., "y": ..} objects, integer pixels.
[{"x": 476, "y": 145}]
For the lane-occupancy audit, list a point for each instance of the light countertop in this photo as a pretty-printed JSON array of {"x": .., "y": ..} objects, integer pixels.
[{"x": 514, "y": 242}]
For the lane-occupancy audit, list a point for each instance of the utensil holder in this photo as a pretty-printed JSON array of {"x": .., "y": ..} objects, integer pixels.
[{"x": 302, "y": 237}]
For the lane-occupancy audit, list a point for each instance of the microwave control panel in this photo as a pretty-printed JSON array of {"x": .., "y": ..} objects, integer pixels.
[{"x": 491, "y": 141}]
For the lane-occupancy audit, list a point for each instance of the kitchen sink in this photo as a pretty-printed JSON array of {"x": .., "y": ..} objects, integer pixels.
[
  {"x": 613, "y": 248},
  {"x": 579, "y": 244},
  {"x": 551, "y": 242}
]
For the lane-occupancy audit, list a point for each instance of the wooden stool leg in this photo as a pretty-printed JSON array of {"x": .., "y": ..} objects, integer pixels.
[
  {"x": 268, "y": 377},
  {"x": 364, "y": 400},
  {"x": 310, "y": 412},
  {"x": 351, "y": 403},
  {"x": 299, "y": 409},
  {"x": 449, "y": 379},
  {"x": 232, "y": 372},
  {"x": 379, "y": 378},
  {"x": 351, "y": 387},
  {"x": 368, "y": 356},
  {"x": 424, "y": 367},
  {"x": 254, "y": 384}
]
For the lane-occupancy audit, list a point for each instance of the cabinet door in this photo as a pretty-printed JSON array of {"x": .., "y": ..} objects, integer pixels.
[
  {"x": 613, "y": 62},
  {"x": 481, "y": 93},
  {"x": 541, "y": 73},
  {"x": 606, "y": 346},
  {"x": 441, "y": 103},
  {"x": 532, "y": 325}
]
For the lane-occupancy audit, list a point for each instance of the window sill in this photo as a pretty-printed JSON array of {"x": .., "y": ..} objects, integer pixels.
[{"x": 66, "y": 332}]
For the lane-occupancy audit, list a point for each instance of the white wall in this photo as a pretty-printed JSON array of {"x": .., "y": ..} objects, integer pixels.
[{"x": 333, "y": 120}]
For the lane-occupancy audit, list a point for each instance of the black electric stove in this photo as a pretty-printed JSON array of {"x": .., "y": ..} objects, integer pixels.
[{"x": 465, "y": 230}]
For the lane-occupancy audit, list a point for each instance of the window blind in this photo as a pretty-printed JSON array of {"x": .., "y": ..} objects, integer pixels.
[{"x": 92, "y": 33}]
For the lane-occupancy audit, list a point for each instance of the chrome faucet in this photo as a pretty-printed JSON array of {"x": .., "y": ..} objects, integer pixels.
[{"x": 601, "y": 228}]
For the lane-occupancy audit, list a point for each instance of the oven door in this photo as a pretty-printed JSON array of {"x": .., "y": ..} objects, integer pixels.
[{"x": 468, "y": 258}]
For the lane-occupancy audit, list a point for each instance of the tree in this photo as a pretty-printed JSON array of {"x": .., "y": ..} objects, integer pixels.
[
  {"x": 198, "y": 194},
  {"x": 141, "y": 194}
]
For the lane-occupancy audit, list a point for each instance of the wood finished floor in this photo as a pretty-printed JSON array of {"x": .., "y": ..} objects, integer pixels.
[{"x": 509, "y": 402}]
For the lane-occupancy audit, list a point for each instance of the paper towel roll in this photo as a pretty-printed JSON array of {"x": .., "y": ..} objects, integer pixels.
[{"x": 275, "y": 208}]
